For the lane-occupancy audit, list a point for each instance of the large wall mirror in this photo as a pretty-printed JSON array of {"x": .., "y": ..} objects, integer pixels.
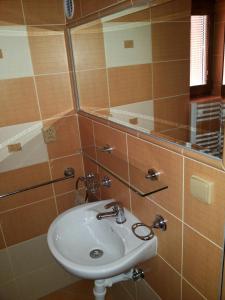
[{"x": 157, "y": 69}]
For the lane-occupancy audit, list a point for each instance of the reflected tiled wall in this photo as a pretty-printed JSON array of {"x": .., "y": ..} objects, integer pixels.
[
  {"x": 35, "y": 94},
  {"x": 187, "y": 266}
]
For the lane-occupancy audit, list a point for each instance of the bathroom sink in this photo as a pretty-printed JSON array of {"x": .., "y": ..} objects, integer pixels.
[{"x": 96, "y": 249}]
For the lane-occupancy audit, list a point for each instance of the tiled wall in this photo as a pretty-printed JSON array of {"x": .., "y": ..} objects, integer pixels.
[
  {"x": 35, "y": 93},
  {"x": 110, "y": 75},
  {"x": 189, "y": 254}
]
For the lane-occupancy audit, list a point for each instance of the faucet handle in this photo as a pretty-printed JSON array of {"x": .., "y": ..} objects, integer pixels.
[{"x": 114, "y": 204}]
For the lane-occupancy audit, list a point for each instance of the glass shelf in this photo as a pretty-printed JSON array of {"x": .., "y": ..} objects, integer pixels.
[{"x": 138, "y": 182}]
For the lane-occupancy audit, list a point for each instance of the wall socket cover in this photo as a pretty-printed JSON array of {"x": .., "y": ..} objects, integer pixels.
[{"x": 49, "y": 134}]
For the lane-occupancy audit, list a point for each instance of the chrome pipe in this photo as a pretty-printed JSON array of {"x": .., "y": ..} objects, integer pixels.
[{"x": 68, "y": 174}]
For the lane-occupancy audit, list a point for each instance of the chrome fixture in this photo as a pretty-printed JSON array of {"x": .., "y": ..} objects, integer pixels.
[
  {"x": 106, "y": 148},
  {"x": 117, "y": 212},
  {"x": 138, "y": 274},
  {"x": 152, "y": 174},
  {"x": 158, "y": 223},
  {"x": 68, "y": 174},
  {"x": 106, "y": 182}
]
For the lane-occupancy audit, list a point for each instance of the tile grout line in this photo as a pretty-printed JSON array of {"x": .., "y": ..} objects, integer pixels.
[
  {"x": 23, "y": 12},
  {"x": 128, "y": 167},
  {"x": 194, "y": 288},
  {"x": 182, "y": 228},
  {"x": 53, "y": 188},
  {"x": 82, "y": 157}
]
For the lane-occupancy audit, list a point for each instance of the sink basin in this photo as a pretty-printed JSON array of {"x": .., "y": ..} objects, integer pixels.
[{"x": 97, "y": 249}]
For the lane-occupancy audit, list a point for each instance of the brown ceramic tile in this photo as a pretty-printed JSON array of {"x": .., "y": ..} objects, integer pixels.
[
  {"x": 170, "y": 78},
  {"x": 171, "y": 112},
  {"x": 162, "y": 278},
  {"x": 157, "y": 140},
  {"x": 117, "y": 160},
  {"x": 143, "y": 156},
  {"x": 93, "y": 89},
  {"x": 27, "y": 222},
  {"x": 66, "y": 201},
  {"x": 59, "y": 165},
  {"x": 188, "y": 293},
  {"x": 54, "y": 93},
  {"x": 87, "y": 136},
  {"x": 18, "y": 101},
  {"x": 48, "y": 51},
  {"x": 88, "y": 43},
  {"x": 178, "y": 10},
  {"x": 43, "y": 12},
  {"x": 120, "y": 5},
  {"x": 22, "y": 178},
  {"x": 201, "y": 263},
  {"x": 178, "y": 135},
  {"x": 196, "y": 212},
  {"x": 88, "y": 6},
  {"x": 130, "y": 84},
  {"x": 90, "y": 166},
  {"x": 218, "y": 36},
  {"x": 11, "y": 12},
  {"x": 169, "y": 244},
  {"x": 207, "y": 159},
  {"x": 169, "y": 41},
  {"x": 117, "y": 191},
  {"x": 91, "y": 6},
  {"x": 2, "y": 243},
  {"x": 67, "y": 137}
]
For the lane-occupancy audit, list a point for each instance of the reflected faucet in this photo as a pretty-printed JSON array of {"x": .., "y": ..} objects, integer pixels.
[{"x": 117, "y": 212}]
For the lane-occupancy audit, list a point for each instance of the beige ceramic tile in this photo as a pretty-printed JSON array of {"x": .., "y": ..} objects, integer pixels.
[
  {"x": 88, "y": 44},
  {"x": 93, "y": 89},
  {"x": 18, "y": 101},
  {"x": 143, "y": 156},
  {"x": 22, "y": 178},
  {"x": 201, "y": 263},
  {"x": 162, "y": 278},
  {"x": 117, "y": 160},
  {"x": 6, "y": 273},
  {"x": 130, "y": 84},
  {"x": 48, "y": 51},
  {"x": 9, "y": 291},
  {"x": 117, "y": 191},
  {"x": 189, "y": 293},
  {"x": 27, "y": 222},
  {"x": 169, "y": 41},
  {"x": 196, "y": 212},
  {"x": 11, "y": 12},
  {"x": 44, "y": 281},
  {"x": 170, "y": 78},
  {"x": 67, "y": 137},
  {"x": 54, "y": 94},
  {"x": 169, "y": 242},
  {"x": 87, "y": 136},
  {"x": 43, "y": 12},
  {"x": 59, "y": 165},
  {"x": 30, "y": 255}
]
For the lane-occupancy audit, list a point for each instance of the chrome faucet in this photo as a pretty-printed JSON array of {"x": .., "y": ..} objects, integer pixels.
[{"x": 117, "y": 212}]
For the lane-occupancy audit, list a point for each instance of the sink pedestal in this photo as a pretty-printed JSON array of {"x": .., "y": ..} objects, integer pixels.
[{"x": 101, "y": 284}]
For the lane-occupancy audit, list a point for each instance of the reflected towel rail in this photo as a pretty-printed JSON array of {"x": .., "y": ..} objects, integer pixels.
[{"x": 68, "y": 174}]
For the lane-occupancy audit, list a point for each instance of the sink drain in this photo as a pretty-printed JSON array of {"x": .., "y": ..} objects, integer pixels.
[{"x": 96, "y": 253}]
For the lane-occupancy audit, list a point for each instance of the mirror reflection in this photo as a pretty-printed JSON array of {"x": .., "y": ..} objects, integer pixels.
[{"x": 156, "y": 69}]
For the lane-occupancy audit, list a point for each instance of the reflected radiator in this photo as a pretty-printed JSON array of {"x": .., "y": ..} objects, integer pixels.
[{"x": 207, "y": 119}]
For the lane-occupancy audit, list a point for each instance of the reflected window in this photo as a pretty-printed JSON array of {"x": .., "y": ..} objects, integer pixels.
[{"x": 199, "y": 50}]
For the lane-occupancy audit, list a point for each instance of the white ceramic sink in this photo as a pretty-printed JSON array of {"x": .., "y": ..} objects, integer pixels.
[{"x": 76, "y": 232}]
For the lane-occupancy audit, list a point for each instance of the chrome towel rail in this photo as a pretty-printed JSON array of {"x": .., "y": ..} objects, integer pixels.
[{"x": 68, "y": 174}]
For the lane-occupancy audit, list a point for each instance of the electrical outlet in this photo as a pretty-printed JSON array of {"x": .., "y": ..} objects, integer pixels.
[{"x": 49, "y": 134}]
